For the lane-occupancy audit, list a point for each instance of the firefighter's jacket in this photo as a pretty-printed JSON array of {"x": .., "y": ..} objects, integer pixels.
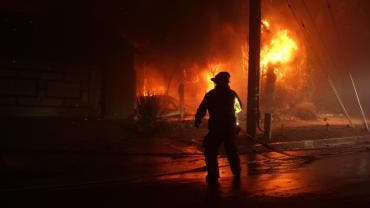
[{"x": 220, "y": 103}]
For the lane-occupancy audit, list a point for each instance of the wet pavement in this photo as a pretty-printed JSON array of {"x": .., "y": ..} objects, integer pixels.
[{"x": 337, "y": 177}]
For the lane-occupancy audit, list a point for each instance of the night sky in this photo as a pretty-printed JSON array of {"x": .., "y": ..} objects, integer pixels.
[{"x": 186, "y": 26}]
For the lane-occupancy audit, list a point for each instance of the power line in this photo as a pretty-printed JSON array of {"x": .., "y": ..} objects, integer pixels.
[
  {"x": 321, "y": 45},
  {"x": 302, "y": 27},
  {"x": 339, "y": 41},
  {"x": 316, "y": 30}
]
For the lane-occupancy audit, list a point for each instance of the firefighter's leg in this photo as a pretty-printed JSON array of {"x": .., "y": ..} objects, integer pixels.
[
  {"x": 232, "y": 156},
  {"x": 210, "y": 154}
]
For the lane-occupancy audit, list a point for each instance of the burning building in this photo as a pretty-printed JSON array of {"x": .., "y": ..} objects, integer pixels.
[
  {"x": 282, "y": 57},
  {"x": 299, "y": 48}
]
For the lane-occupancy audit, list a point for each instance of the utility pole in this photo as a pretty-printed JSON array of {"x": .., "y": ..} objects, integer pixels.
[{"x": 254, "y": 66}]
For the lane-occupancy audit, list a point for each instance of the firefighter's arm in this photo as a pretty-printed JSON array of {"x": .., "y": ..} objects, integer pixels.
[{"x": 201, "y": 112}]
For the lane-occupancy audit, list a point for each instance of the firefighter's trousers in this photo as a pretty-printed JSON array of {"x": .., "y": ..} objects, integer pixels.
[{"x": 212, "y": 142}]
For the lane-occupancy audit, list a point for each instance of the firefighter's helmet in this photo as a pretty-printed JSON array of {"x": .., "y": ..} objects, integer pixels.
[{"x": 221, "y": 78}]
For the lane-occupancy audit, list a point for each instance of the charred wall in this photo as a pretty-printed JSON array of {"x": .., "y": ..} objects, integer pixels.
[
  {"x": 53, "y": 64},
  {"x": 49, "y": 91}
]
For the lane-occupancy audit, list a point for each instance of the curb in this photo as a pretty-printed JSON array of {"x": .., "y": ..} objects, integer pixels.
[{"x": 319, "y": 144}]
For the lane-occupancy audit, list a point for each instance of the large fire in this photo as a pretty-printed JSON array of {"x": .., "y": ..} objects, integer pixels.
[
  {"x": 279, "y": 56},
  {"x": 280, "y": 50}
]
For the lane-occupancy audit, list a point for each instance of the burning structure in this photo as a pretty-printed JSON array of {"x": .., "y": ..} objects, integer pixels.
[
  {"x": 299, "y": 47},
  {"x": 282, "y": 70}
]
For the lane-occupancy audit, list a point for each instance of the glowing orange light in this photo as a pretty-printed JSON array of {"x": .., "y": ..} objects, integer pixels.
[
  {"x": 150, "y": 88},
  {"x": 265, "y": 24},
  {"x": 280, "y": 50},
  {"x": 213, "y": 69}
]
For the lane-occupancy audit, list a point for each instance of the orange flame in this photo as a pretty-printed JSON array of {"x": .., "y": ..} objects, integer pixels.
[
  {"x": 265, "y": 24},
  {"x": 280, "y": 50},
  {"x": 213, "y": 69},
  {"x": 152, "y": 86}
]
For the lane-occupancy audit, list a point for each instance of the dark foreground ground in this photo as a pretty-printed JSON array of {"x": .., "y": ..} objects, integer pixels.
[
  {"x": 70, "y": 164},
  {"x": 319, "y": 178}
]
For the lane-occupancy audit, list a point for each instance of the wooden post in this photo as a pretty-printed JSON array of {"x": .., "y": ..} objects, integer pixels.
[
  {"x": 267, "y": 126},
  {"x": 359, "y": 102},
  {"x": 181, "y": 91}
]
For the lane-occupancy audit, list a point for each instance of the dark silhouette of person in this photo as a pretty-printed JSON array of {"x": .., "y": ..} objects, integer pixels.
[
  {"x": 221, "y": 125},
  {"x": 269, "y": 91},
  {"x": 181, "y": 91}
]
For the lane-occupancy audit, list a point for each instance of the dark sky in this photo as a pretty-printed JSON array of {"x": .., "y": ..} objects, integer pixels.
[
  {"x": 160, "y": 25},
  {"x": 186, "y": 26}
]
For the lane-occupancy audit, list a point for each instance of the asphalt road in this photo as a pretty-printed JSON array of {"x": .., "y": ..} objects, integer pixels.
[{"x": 337, "y": 177}]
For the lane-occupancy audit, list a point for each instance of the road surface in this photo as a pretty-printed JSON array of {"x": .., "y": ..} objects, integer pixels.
[{"x": 337, "y": 177}]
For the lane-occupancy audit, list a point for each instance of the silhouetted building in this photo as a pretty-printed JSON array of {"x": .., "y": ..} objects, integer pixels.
[{"x": 62, "y": 64}]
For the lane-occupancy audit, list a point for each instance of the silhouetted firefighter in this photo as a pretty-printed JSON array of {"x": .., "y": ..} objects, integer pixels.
[
  {"x": 222, "y": 126},
  {"x": 181, "y": 91}
]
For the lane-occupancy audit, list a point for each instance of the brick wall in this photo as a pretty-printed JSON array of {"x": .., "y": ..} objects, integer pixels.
[{"x": 49, "y": 91}]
